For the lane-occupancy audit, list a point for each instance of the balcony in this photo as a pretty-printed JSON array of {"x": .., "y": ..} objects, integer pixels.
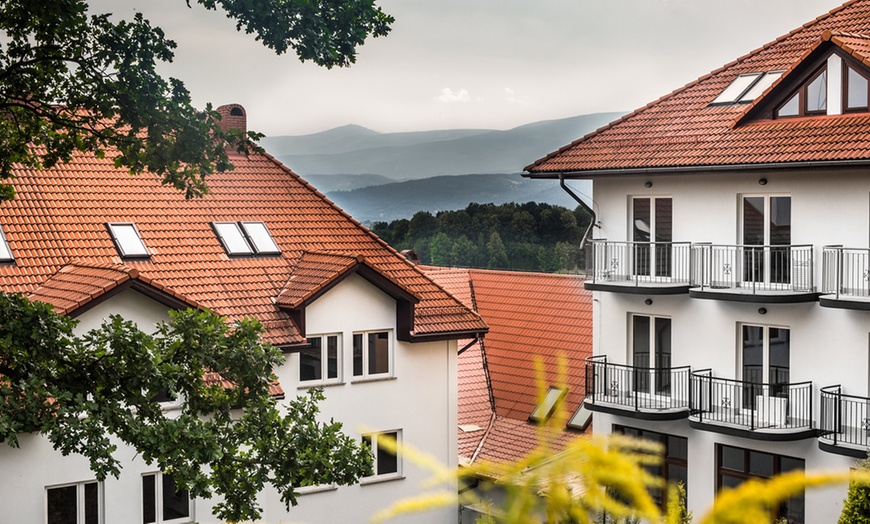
[
  {"x": 753, "y": 273},
  {"x": 643, "y": 393},
  {"x": 754, "y": 410},
  {"x": 844, "y": 425},
  {"x": 845, "y": 278},
  {"x": 649, "y": 268}
]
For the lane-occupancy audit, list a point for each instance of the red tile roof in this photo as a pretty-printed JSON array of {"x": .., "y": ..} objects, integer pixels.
[
  {"x": 56, "y": 230},
  {"x": 530, "y": 315},
  {"x": 682, "y": 129}
]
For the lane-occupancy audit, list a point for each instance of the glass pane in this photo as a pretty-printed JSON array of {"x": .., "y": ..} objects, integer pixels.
[
  {"x": 790, "y": 464},
  {"x": 780, "y": 221},
  {"x": 175, "y": 502},
  {"x": 736, "y": 88},
  {"x": 663, "y": 355},
  {"x": 678, "y": 448},
  {"x": 332, "y": 356},
  {"x": 357, "y": 355},
  {"x": 664, "y": 233},
  {"x": 779, "y": 361},
  {"x": 232, "y": 238},
  {"x": 753, "y": 354},
  {"x": 149, "y": 499},
  {"x": 753, "y": 235},
  {"x": 62, "y": 505},
  {"x": 92, "y": 504},
  {"x": 732, "y": 458},
  {"x": 817, "y": 93},
  {"x": 856, "y": 90},
  {"x": 310, "y": 364},
  {"x": 730, "y": 482},
  {"x": 759, "y": 87},
  {"x": 260, "y": 237},
  {"x": 641, "y": 351},
  {"x": 387, "y": 461},
  {"x": 642, "y": 233},
  {"x": 790, "y": 108},
  {"x": 5, "y": 252},
  {"x": 128, "y": 240},
  {"x": 679, "y": 474},
  {"x": 761, "y": 464},
  {"x": 379, "y": 353}
]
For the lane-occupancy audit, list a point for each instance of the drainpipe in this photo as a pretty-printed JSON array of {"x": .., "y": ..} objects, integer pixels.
[{"x": 594, "y": 218}]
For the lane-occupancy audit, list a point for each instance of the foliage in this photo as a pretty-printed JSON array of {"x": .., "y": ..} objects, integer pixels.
[
  {"x": 88, "y": 393},
  {"x": 856, "y": 507},
  {"x": 530, "y": 236},
  {"x": 73, "y": 82}
]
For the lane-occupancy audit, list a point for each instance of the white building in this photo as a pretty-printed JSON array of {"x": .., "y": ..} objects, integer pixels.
[
  {"x": 730, "y": 265},
  {"x": 351, "y": 314}
]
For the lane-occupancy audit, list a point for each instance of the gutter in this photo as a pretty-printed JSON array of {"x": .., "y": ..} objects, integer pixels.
[{"x": 594, "y": 217}]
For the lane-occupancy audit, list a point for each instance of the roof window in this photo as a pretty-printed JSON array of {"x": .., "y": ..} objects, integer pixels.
[
  {"x": 246, "y": 238},
  {"x": 127, "y": 240},
  {"x": 746, "y": 88},
  {"x": 547, "y": 406},
  {"x": 581, "y": 419},
  {"x": 5, "y": 251}
]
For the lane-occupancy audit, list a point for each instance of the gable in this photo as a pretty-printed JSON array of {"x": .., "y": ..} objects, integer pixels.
[
  {"x": 354, "y": 304},
  {"x": 130, "y": 304}
]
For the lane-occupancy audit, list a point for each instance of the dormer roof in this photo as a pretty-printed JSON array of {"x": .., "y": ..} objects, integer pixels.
[{"x": 685, "y": 130}]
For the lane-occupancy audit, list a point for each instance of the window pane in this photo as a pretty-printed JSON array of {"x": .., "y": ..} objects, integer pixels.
[
  {"x": 753, "y": 354},
  {"x": 379, "y": 353},
  {"x": 663, "y": 233},
  {"x": 260, "y": 237},
  {"x": 761, "y": 464},
  {"x": 641, "y": 352},
  {"x": 817, "y": 93},
  {"x": 790, "y": 108},
  {"x": 149, "y": 499},
  {"x": 332, "y": 356},
  {"x": 232, "y": 238},
  {"x": 857, "y": 90},
  {"x": 642, "y": 233},
  {"x": 663, "y": 355},
  {"x": 779, "y": 356},
  {"x": 732, "y": 458},
  {"x": 5, "y": 252},
  {"x": 728, "y": 481},
  {"x": 175, "y": 503},
  {"x": 388, "y": 462},
  {"x": 678, "y": 448},
  {"x": 310, "y": 364},
  {"x": 780, "y": 221},
  {"x": 736, "y": 88},
  {"x": 765, "y": 82},
  {"x": 357, "y": 355},
  {"x": 62, "y": 505},
  {"x": 753, "y": 221},
  {"x": 128, "y": 240},
  {"x": 92, "y": 504}
]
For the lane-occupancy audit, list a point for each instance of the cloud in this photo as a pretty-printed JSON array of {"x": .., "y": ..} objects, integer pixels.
[
  {"x": 448, "y": 96},
  {"x": 511, "y": 96}
]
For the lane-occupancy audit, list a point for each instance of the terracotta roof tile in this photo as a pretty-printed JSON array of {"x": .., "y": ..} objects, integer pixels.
[{"x": 683, "y": 130}]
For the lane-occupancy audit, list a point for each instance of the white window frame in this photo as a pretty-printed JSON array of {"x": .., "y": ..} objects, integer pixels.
[
  {"x": 383, "y": 477},
  {"x": 80, "y": 499},
  {"x": 324, "y": 362},
  {"x": 255, "y": 237},
  {"x": 652, "y": 262},
  {"x": 260, "y": 238},
  {"x": 365, "y": 374},
  {"x": 653, "y": 353},
  {"x": 767, "y": 276},
  {"x": 547, "y": 406},
  {"x": 136, "y": 250},
  {"x": 5, "y": 251},
  {"x": 158, "y": 501},
  {"x": 765, "y": 341}
]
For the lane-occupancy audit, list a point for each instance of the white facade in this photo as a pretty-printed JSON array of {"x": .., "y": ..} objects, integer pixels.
[
  {"x": 826, "y": 345},
  {"x": 417, "y": 400}
]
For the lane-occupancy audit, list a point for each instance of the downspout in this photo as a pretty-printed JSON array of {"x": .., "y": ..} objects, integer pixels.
[{"x": 594, "y": 218}]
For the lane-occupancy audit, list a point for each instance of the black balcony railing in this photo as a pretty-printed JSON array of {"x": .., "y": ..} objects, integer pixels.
[
  {"x": 846, "y": 272},
  {"x": 649, "y": 390},
  {"x": 753, "y": 269},
  {"x": 844, "y": 419},
  {"x": 749, "y": 405},
  {"x": 638, "y": 263}
]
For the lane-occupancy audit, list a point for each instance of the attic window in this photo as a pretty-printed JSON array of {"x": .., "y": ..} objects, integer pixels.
[
  {"x": 5, "y": 251},
  {"x": 246, "y": 238},
  {"x": 127, "y": 240},
  {"x": 746, "y": 88},
  {"x": 581, "y": 419},
  {"x": 856, "y": 93},
  {"x": 810, "y": 99},
  {"x": 760, "y": 86},
  {"x": 547, "y": 406}
]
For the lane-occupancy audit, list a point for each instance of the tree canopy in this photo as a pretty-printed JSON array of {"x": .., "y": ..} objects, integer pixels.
[
  {"x": 71, "y": 80},
  {"x": 228, "y": 436}
]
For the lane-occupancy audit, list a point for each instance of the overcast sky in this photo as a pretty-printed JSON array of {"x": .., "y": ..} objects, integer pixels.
[{"x": 489, "y": 64}]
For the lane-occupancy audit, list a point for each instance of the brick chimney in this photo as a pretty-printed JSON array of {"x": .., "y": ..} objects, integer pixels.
[{"x": 233, "y": 116}]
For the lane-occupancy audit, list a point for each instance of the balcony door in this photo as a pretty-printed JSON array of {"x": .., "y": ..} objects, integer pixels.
[
  {"x": 766, "y": 221},
  {"x": 652, "y": 231},
  {"x": 764, "y": 360},
  {"x": 651, "y": 354}
]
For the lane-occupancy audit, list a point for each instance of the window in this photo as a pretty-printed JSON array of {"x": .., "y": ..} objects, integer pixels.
[
  {"x": 73, "y": 504},
  {"x": 764, "y": 359},
  {"x": 747, "y": 87},
  {"x": 760, "y": 86},
  {"x": 162, "y": 501},
  {"x": 5, "y": 251},
  {"x": 246, "y": 238},
  {"x": 674, "y": 466},
  {"x": 652, "y": 231},
  {"x": 320, "y": 362},
  {"x": 856, "y": 92},
  {"x": 372, "y": 354},
  {"x": 386, "y": 462},
  {"x": 810, "y": 98},
  {"x": 651, "y": 353},
  {"x": 547, "y": 406},
  {"x": 127, "y": 240},
  {"x": 581, "y": 418},
  {"x": 737, "y": 465},
  {"x": 766, "y": 222}
]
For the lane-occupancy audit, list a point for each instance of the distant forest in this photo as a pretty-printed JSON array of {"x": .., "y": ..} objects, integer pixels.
[{"x": 530, "y": 236}]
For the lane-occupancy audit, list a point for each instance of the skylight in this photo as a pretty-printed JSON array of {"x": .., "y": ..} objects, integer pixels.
[
  {"x": 545, "y": 409},
  {"x": 246, "y": 238},
  {"x": 746, "y": 88},
  {"x": 127, "y": 240},
  {"x": 5, "y": 251},
  {"x": 760, "y": 86},
  {"x": 581, "y": 419}
]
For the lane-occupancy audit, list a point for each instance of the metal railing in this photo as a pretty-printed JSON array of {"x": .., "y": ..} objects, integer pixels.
[
  {"x": 846, "y": 272},
  {"x": 751, "y": 405},
  {"x": 638, "y": 263},
  {"x": 753, "y": 269},
  {"x": 844, "y": 419},
  {"x": 636, "y": 388}
]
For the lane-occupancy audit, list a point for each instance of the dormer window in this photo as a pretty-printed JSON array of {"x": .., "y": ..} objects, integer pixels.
[
  {"x": 127, "y": 240},
  {"x": 856, "y": 93},
  {"x": 5, "y": 251},
  {"x": 810, "y": 99},
  {"x": 246, "y": 238}
]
